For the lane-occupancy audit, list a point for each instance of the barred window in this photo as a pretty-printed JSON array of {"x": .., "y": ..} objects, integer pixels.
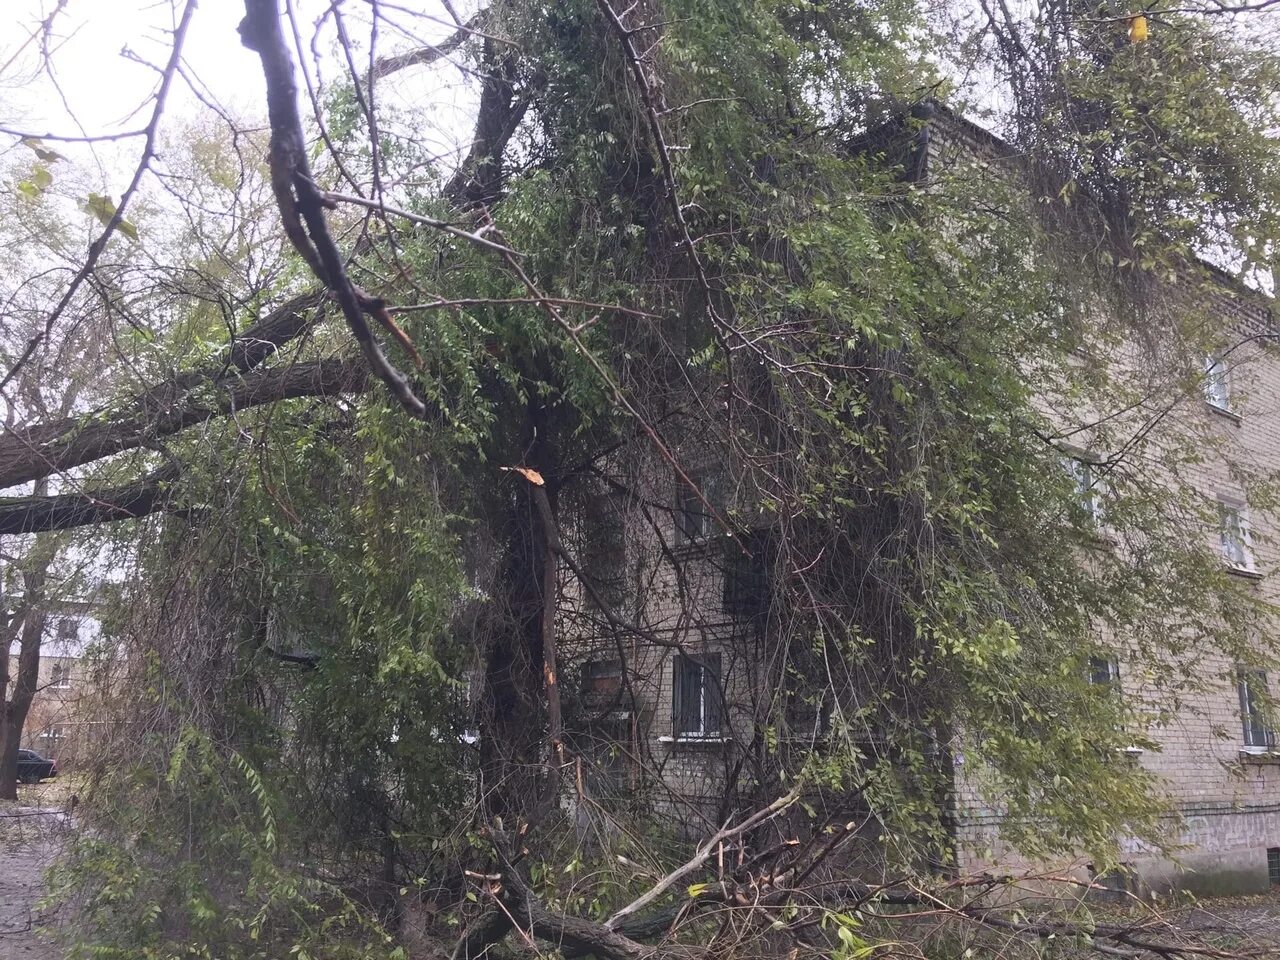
[{"x": 697, "y": 696}]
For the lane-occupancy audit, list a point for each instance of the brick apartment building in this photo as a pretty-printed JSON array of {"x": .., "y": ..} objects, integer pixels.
[
  {"x": 60, "y": 722},
  {"x": 683, "y": 701}
]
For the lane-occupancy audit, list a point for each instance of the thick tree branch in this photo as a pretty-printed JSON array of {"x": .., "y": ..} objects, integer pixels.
[
  {"x": 44, "y": 449},
  {"x": 28, "y": 453},
  {"x": 478, "y": 179},
  {"x": 302, "y": 204},
  {"x": 429, "y": 54},
  {"x": 68, "y": 510}
]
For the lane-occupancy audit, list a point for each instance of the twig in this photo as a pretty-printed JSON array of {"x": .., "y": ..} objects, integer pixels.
[
  {"x": 117, "y": 217},
  {"x": 701, "y": 855},
  {"x": 426, "y": 221}
]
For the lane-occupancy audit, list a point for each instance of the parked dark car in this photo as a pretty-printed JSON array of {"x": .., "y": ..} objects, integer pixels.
[{"x": 32, "y": 768}]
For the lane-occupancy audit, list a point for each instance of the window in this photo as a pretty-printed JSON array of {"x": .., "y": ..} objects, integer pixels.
[
  {"x": 1103, "y": 672},
  {"x": 54, "y": 733},
  {"x": 607, "y": 748},
  {"x": 1273, "y": 866},
  {"x": 603, "y": 552},
  {"x": 1217, "y": 383},
  {"x": 1086, "y": 473},
  {"x": 60, "y": 675},
  {"x": 603, "y": 677},
  {"x": 696, "y": 698},
  {"x": 693, "y": 521},
  {"x": 1252, "y": 685},
  {"x": 747, "y": 567},
  {"x": 68, "y": 629},
  {"x": 1234, "y": 533}
]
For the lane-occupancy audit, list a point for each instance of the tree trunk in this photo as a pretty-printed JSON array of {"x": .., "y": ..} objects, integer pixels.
[
  {"x": 14, "y": 715},
  {"x": 514, "y": 720}
]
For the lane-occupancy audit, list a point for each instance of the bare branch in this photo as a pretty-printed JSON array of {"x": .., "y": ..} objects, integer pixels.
[
  {"x": 117, "y": 217},
  {"x": 302, "y": 205},
  {"x": 44, "y": 449},
  {"x": 429, "y": 54},
  {"x": 701, "y": 856}
]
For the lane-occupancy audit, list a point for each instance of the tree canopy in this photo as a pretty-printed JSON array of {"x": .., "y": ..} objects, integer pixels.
[{"x": 399, "y": 441}]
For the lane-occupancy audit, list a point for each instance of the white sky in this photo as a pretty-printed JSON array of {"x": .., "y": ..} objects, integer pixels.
[
  {"x": 101, "y": 83},
  {"x": 98, "y": 86}
]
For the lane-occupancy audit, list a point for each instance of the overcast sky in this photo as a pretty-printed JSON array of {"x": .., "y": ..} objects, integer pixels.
[
  {"x": 103, "y": 52},
  {"x": 101, "y": 83}
]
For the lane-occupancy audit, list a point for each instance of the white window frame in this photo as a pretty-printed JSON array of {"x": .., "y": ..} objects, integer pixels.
[
  {"x": 1113, "y": 671},
  {"x": 1217, "y": 382},
  {"x": 1082, "y": 466},
  {"x": 1245, "y": 562},
  {"x": 693, "y": 522},
  {"x": 1252, "y": 728},
  {"x": 60, "y": 676}
]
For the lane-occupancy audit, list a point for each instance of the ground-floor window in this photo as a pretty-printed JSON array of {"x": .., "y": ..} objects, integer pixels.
[
  {"x": 1252, "y": 685},
  {"x": 696, "y": 697}
]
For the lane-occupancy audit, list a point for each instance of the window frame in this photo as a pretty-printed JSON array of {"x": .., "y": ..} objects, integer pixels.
[
  {"x": 1083, "y": 468},
  {"x": 707, "y": 665},
  {"x": 1234, "y": 506},
  {"x": 1217, "y": 383},
  {"x": 1112, "y": 667},
  {"x": 693, "y": 524},
  {"x": 60, "y": 676},
  {"x": 1257, "y": 736}
]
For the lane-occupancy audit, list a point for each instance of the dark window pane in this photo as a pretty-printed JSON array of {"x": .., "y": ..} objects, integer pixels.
[
  {"x": 712, "y": 694},
  {"x": 602, "y": 676},
  {"x": 1257, "y": 733},
  {"x": 747, "y": 587},
  {"x": 697, "y": 695},
  {"x": 1101, "y": 671}
]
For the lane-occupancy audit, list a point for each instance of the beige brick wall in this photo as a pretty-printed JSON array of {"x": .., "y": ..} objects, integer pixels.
[{"x": 1228, "y": 805}]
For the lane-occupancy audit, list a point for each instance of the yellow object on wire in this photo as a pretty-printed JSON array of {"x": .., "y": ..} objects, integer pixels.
[{"x": 1137, "y": 28}]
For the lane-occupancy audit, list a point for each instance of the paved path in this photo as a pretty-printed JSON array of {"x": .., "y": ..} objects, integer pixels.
[{"x": 28, "y": 843}]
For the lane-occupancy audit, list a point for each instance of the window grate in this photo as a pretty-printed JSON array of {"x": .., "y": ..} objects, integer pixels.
[
  {"x": 697, "y": 697},
  {"x": 1273, "y": 865}
]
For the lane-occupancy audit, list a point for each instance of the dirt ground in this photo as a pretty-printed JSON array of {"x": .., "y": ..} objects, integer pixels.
[
  {"x": 1238, "y": 922},
  {"x": 31, "y": 833}
]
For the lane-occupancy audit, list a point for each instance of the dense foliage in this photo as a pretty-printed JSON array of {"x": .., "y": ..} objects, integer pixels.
[{"x": 876, "y": 320}]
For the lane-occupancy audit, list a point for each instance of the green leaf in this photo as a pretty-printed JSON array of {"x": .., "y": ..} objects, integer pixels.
[
  {"x": 104, "y": 208},
  {"x": 41, "y": 151}
]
